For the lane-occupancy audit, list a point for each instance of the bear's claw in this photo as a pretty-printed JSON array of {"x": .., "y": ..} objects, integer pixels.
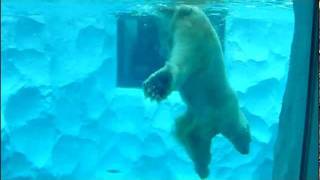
[{"x": 157, "y": 86}]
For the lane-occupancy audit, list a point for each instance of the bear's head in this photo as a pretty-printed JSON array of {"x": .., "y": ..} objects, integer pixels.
[{"x": 183, "y": 18}]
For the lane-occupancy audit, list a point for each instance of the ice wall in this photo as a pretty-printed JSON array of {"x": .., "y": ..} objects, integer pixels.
[{"x": 63, "y": 118}]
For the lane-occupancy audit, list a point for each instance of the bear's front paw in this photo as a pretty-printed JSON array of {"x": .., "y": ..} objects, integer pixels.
[{"x": 158, "y": 85}]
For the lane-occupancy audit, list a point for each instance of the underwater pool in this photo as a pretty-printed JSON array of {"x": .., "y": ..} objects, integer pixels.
[{"x": 73, "y": 105}]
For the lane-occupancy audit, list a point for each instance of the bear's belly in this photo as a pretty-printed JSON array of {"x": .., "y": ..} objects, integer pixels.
[
  {"x": 209, "y": 101},
  {"x": 203, "y": 91}
]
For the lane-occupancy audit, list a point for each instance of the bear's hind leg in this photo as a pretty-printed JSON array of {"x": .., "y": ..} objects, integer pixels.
[
  {"x": 239, "y": 134},
  {"x": 196, "y": 144},
  {"x": 199, "y": 151},
  {"x": 183, "y": 126}
]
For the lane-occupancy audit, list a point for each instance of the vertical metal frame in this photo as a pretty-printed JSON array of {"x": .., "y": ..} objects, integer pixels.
[
  {"x": 295, "y": 144},
  {"x": 309, "y": 157}
]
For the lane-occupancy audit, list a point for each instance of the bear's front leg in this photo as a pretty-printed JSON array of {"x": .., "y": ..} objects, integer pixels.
[{"x": 158, "y": 85}]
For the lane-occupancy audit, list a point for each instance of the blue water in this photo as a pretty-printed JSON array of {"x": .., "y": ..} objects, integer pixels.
[{"x": 63, "y": 115}]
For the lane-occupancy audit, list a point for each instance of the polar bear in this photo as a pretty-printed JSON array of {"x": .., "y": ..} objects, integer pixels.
[{"x": 195, "y": 68}]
